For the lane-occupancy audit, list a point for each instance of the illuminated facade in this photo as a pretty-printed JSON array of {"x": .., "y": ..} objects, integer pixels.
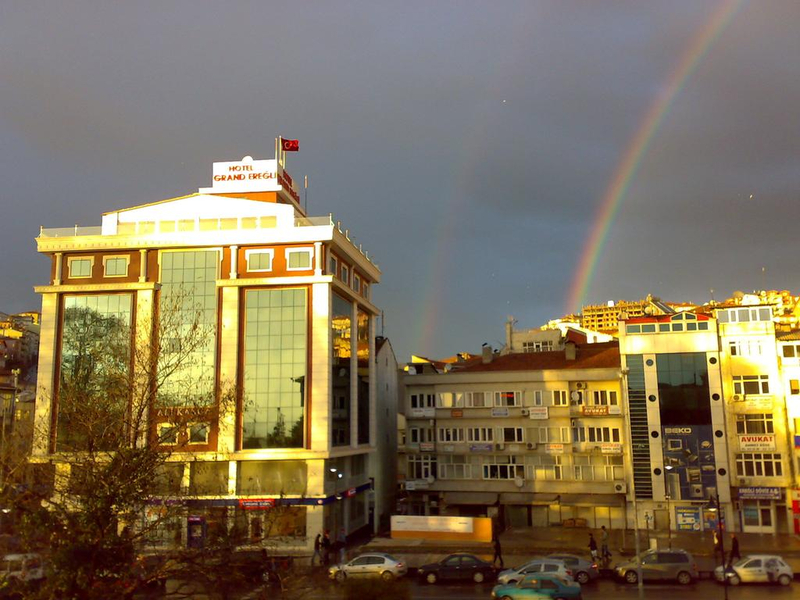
[
  {"x": 533, "y": 439},
  {"x": 285, "y": 301}
]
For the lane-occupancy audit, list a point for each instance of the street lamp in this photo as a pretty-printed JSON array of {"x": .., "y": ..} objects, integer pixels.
[
  {"x": 667, "y": 495},
  {"x": 715, "y": 506}
]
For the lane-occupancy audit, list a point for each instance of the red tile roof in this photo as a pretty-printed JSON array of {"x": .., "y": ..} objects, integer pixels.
[{"x": 590, "y": 356}]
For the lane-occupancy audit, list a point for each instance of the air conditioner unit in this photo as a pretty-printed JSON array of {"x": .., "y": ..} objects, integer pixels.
[
  {"x": 499, "y": 446},
  {"x": 525, "y": 411},
  {"x": 620, "y": 487},
  {"x": 738, "y": 397},
  {"x": 531, "y": 445},
  {"x": 581, "y": 385}
]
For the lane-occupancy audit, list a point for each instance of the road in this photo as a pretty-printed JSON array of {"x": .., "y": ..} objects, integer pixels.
[{"x": 603, "y": 590}]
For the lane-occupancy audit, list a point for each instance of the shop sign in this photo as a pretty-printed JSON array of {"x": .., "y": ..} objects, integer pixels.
[
  {"x": 615, "y": 410},
  {"x": 256, "y": 503},
  {"x": 423, "y": 413},
  {"x": 438, "y": 524},
  {"x": 426, "y": 447},
  {"x": 554, "y": 448},
  {"x": 500, "y": 412},
  {"x": 759, "y": 493},
  {"x": 758, "y": 403},
  {"x": 481, "y": 447},
  {"x": 687, "y": 518},
  {"x": 537, "y": 412},
  {"x": 351, "y": 492},
  {"x": 757, "y": 442},
  {"x": 416, "y": 484},
  {"x": 448, "y": 448},
  {"x": 610, "y": 448},
  {"x": 457, "y": 413},
  {"x": 595, "y": 411},
  {"x": 710, "y": 520}
]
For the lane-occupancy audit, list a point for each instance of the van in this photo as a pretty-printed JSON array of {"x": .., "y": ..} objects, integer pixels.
[{"x": 675, "y": 565}]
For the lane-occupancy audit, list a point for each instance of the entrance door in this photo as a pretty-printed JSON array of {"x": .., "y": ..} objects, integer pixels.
[
  {"x": 758, "y": 516},
  {"x": 661, "y": 519}
]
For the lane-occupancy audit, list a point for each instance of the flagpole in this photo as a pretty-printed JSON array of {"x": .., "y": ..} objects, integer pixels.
[
  {"x": 305, "y": 184},
  {"x": 277, "y": 145}
]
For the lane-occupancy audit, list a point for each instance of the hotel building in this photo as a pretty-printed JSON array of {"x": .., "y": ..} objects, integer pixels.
[{"x": 287, "y": 301}]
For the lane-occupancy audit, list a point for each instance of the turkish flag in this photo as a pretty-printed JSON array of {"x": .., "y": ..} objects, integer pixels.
[{"x": 290, "y": 145}]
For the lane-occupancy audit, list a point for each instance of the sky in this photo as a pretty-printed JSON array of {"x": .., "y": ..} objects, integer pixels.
[{"x": 468, "y": 146}]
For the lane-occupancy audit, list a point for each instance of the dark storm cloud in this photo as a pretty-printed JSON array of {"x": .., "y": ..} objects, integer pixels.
[{"x": 465, "y": 144}]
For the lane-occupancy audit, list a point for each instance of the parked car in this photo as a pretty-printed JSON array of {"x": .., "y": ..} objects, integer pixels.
[
  {"x": 374, "y": 564},
  {"x": 757, "y": 568},
  {"x": 583, "y": 570},
  {"x": 457, "y": 567},
  {"x": 539, "y": 585},
  {"x": 537, "y": 565},
  {"x": 660, "y": 565},
  {"x": 22, "y": 568}
]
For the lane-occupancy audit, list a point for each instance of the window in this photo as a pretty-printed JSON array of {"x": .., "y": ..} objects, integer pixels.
[
  {"x": 477, "y": 399},
  {"x": 537, "y": 398},
  {"x": 365, "y": 290},
  {"x": 582, "y": 467},
  {"x": 451, "y": 434},
  {"x": 454, "y": 466},
  {"x": 421, "y": 435},
  {"x": 346, "y": 274},
  {"x": 298, "y": 259},
  {"x": 450, "y": 400},
  {"x": 576, "y": 398},
  {"x": 423, "y": 400},
  {"x": 794, "y": 386},
  {"x": 549, "y": 435},
  {"x": 612, "y": 466},
  {"x": 512, "y": 435},
  {"x": 544, "y": 346},
  {"x": 602, "y": 434},
  {"x": 258, "y": 260},
  {"x": 508, "y": 399},
  {"x": 745, "y": 347},
  {"x": 115, "y": 266},
  {"x": 578, "y": 434},
  {"x": 751, "y": 384},
  {"x": 547, "y": 466},
  {"x": 759, "y": 464},
  {"x": 333, "y": 265},
  {"x": 168, "y": 433},
  {"x": 80, "y": 267},
  {"x": 560, "y": 398},
  {"x": 480, "y": 434},
  {"x": 755, "y": 423},
  {"x": 744, "y": 315},
  {"x": 502, "y": 467},
  {"x": 605, "y": 398},
  {"x": 357, "y": 283},
  {"x": 791, "y": 350},
  {"x": 421, "y": 466},
  {"x": 198, "y": 433}
]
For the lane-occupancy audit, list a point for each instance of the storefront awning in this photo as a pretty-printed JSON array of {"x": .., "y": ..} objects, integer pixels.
[
  {"x": 592, "y": 500},
  {"x": 528, "y": 498},
  {"x": 479, "y": 498}
]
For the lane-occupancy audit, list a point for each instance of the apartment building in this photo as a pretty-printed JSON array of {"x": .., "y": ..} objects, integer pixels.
[
  {"x": 287, "y": 300},
  {"x": 531, "y": 439}
]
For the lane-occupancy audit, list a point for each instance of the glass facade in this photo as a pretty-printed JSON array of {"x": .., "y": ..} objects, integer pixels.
[
  {"x": 275, "y": 355},
  {"x": 341, "y": 325},
  {"x": 187, "y": 327},
  {"x": 363, "y": 377},
  {"x": 683, "y": 389},
  {"x": 94, "y": 383}
]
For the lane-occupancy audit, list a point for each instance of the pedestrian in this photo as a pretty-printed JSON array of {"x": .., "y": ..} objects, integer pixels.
[
  {"x": 605, "y": 554},
  {"x": 341, "y": 542},
  {"x": 498, "y": 552},
  {"x": 718, "y": 551},
  {"x": 734, "y": 555},
  {"x": 317, "y": 548},
  {"x": 593, "y": 546},
  {"x": 772, "y": 570},
  {"x": 326, "y": 548}
]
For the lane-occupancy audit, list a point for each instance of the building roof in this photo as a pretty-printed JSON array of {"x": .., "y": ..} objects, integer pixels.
[
  {"x": 790, "y": 336},
  {"x": 603, "y": 355}
]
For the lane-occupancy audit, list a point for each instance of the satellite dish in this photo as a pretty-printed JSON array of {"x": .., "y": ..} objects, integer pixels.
[
  {"x": 519, "y": 482},
  {"x": 430, "y": 479},
  {"x": 412, "y": 370}
]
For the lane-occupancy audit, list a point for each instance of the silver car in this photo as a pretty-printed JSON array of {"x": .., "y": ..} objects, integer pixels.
[
  {"x": 757, "y": 568},
  {"x": 583, "y": 570},
  {"x": 538, "y": 565},
  {"x": 374, "y": 564}
]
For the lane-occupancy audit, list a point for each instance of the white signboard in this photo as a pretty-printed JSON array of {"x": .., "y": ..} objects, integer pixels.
[
  {"x": 500, "y": 412},
  {"x": 554, "y": 448},
  {"x": 418, "y": 523},
  {"x": 757, "y": 442},
  {"x": 537, "y": 412},
  {"x": 419, "y": 413},
  {"x": 611, "y": 448},
  {"x": 248, "y": 175}
]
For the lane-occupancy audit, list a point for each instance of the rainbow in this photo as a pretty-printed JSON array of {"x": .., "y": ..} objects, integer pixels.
[{"x": 637, "y": 147}]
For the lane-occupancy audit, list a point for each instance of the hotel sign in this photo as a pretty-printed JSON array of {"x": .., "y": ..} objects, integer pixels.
[
  {"x": 757, "y": 442},
  {"x": 248, "y": 175}
]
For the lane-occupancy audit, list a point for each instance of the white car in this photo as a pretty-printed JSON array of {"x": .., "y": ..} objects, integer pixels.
[
  {"x": 757, "y": 568},
  {"x": 538, "y": 565},
  {"x": 375, "y": 564},
  {"x": 21, "y": 568}
]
